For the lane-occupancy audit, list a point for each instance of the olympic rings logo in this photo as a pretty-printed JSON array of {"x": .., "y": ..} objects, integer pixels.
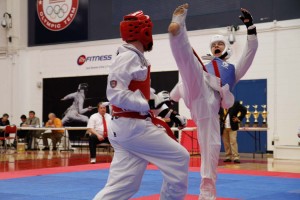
[
  {"x": 57, "y": 10},
  {"x": 56, "y": 15}
]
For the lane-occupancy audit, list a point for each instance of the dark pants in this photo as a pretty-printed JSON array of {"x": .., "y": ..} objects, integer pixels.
[
  {"x": 21, "y": 137},
  {"x": 93, "y": 141},
  {"x": 32, "y": 137},
  {"x": 3, "y": 134},
  {"x": 22, "y": 134}
]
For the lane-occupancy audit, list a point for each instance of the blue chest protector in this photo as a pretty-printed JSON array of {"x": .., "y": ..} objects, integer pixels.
[{"x": 226, "y": 70}]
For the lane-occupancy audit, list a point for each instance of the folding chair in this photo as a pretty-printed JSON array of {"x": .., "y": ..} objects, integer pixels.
[
  {"x": 84, "y": 141},
  {"x": 105, "y": 146},
  {"x": 10, "y": 133}
]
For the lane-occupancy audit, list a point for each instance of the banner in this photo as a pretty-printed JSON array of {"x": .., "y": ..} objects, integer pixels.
[{"x": 57, "y": 21}]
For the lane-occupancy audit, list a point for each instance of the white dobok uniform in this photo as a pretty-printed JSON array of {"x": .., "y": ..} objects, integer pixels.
[
  {"x": 137, "y": 142},
  {"x": 202, "y": 95}
]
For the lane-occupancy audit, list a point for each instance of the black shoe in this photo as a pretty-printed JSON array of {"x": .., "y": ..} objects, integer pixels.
[
  {"x": 237, "y": 161},
  {"x": 46, "y": 149},
  {"x": 227, "y": 160},
  {"x": 54, "y": 149}
]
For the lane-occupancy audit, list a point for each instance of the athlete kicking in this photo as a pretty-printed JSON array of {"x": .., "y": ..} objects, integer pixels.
[{"x": 205, "y": 88}]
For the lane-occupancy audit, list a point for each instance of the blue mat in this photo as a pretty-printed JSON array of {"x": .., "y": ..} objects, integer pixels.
[{"x": 84, "y": 185}]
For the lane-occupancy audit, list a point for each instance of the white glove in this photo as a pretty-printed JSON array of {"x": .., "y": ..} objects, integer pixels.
[
  {"x": 159, "y": 99},
  {"x": 104, "y": 104}
]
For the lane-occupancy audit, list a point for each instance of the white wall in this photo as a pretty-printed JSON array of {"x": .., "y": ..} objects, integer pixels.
[
  {"x": 276, "y": 61},
  {"x": 3, "y": 39},
  {"x": 18, "y": 30}
]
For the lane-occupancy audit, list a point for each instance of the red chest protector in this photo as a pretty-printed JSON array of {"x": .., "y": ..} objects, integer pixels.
[{"x": 144, "y": 87}]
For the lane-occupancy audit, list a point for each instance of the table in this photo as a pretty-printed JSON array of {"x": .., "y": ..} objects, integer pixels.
[
  {"x": 189, "y": 132},
  {"x": 66, "y": 142},
  {"x": 256, "y": 130},
  {"x": 67, "y": 146},
  {"x": 185, "y": 130},
  {"x": 37, "y": 128}
]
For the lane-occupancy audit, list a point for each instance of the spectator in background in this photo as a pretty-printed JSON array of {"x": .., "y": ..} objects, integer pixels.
[
  {"x": 32, "y": 121},
  {"x": 4, "y": 122},
  {"x": 55, "y": 135},
  {"x": 98, "y": 129},
  {"x": 230, "y": 120}
]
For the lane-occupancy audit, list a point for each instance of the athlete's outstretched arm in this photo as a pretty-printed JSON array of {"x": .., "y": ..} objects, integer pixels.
[{"x": 250, "y": 49}]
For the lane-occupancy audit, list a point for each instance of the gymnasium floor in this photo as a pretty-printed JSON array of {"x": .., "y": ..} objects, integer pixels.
[
  {"x": 12, "y": 161},
  {"x": 47, "y": 167}
]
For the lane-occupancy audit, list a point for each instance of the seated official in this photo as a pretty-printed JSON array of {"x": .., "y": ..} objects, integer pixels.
[
  {"x": 21, "y": 136},
  {"x": 4, "y": 122},
  {"x": 55, "y": 135},
  {"x": 32, "y": 135},
  {"x": 98, "y": 129},
  {"x": 22, "y": 133}
]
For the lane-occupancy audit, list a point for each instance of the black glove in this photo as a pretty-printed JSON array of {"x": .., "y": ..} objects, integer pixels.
[
  {"x": 248, "y": 21},
  {"x": 159, "y": 99}
]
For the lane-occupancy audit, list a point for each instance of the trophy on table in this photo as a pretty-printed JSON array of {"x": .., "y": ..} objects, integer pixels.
[
  {"x": 255, "y": 115},
  {"x": 248, "y": 115},
  {"x": 264, "y": 114}
]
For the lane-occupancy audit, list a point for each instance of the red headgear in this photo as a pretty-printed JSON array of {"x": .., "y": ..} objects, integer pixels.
[{"x": 137, "y": 26}]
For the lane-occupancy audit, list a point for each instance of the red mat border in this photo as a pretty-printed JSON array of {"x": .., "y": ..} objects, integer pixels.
[
  {"x": 78, "y": 168},
  {"x": 188, "y": 197}
]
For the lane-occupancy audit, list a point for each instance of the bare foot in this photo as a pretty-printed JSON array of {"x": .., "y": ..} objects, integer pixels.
[
  {"x": 180, "y": 9},
  {"x": 174, "y": 27}
]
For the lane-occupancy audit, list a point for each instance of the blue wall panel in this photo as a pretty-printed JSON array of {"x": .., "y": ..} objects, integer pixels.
[{"x": 251, "y": 92}]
